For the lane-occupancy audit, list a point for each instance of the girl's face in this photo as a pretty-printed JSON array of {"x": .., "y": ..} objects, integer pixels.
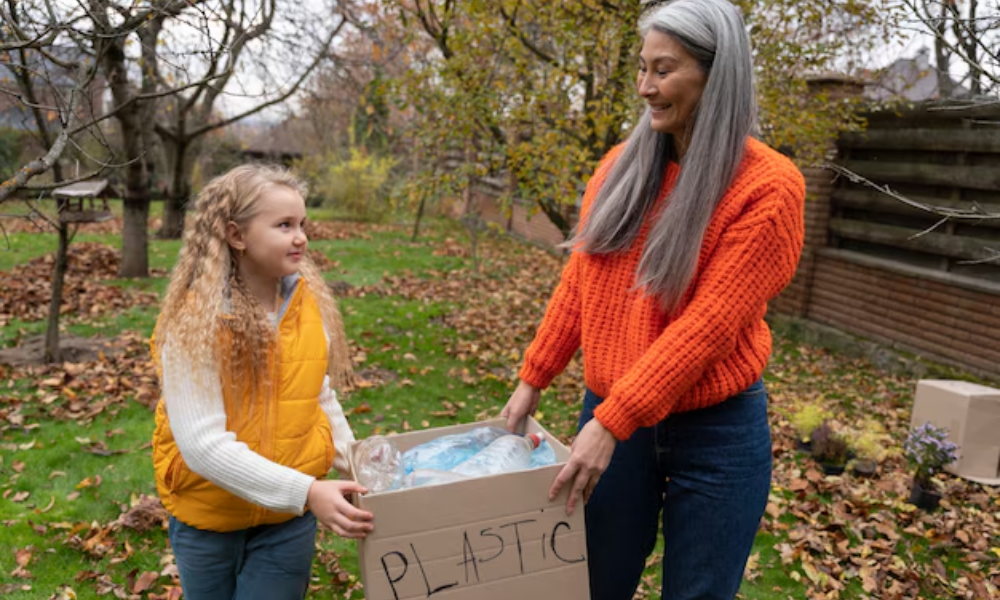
[
  {"x": 274, "y": 241},
  {"x": 671, "y": 81}
]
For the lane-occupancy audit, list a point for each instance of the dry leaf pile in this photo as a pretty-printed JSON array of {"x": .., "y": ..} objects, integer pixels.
[
  {"x": 81, "y": 391},
  {"x": 28, "y": 287}
]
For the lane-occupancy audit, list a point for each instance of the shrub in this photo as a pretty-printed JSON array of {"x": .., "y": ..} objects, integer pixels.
[
  {"x": 807, "y": 418},
  {"x": 870, "y": 442},
  {"x": 11, "y": 145},
  {"x": 356, "y": 187},
  {"x": 828, "y": 446}
]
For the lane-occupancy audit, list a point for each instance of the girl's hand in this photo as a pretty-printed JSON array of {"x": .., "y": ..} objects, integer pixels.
[
  {"x": 523, "y": 402},
  {"x": 328, "y": 501},
  {"x": 589, "y": 458}
]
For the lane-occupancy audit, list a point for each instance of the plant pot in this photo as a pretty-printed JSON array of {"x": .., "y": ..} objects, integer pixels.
[
  {"x": 803, "y": 445},
  {"x": 864, "y": 467},
  {"x": 926, "y": 498},
  {"x": 832, "y": 468}
]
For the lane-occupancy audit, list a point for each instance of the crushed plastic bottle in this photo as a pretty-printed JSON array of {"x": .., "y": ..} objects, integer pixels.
[
  {"x": 424, "y": 477},
  {"x": 508, "y": 453},
  {"x": 449, "y": 451},
  {"x": 542, "y": 456},
  {"x": 378, "y": 464}
]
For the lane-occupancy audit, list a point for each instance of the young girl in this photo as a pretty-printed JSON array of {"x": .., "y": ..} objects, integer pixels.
[{"x": 248, "y": 344}]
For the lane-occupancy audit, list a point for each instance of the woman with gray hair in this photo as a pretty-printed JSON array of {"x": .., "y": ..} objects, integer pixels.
[{"x": 687, "y": 229}]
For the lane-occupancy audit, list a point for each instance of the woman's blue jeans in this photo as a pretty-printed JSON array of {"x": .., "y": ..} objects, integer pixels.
[
  {"x": 708, "y": 472},
  {"x": 267, "y": 562}
]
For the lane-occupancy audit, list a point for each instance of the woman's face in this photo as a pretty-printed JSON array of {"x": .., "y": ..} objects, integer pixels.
[{"x": 671, "y": 81}]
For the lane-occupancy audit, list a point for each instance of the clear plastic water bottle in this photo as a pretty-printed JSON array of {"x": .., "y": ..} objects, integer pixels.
[
  {"x": 543, "y": 456},
  {"x": 507, "y": 453},
  {"x": 423, "y": 477},
  {"x": 448, "y": 451},
  {"x": 378, "y": 464}
]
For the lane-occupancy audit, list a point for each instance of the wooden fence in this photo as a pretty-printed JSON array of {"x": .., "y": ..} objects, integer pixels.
[{"x": 883, "y": 269}]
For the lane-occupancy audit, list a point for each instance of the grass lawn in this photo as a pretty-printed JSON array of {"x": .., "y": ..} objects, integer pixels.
[{"x": 438, "y": 343}]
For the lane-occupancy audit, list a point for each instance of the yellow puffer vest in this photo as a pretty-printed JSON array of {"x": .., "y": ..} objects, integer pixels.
[{"x": 290, "y": 428}]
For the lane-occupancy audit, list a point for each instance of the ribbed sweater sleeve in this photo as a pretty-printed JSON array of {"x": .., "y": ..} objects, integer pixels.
[
  {"x": 342, "y": 433},
  {"x": 755, "y": 258},
  {"x": 558, "y": 336},
  {"x": 193, "y": 399}
]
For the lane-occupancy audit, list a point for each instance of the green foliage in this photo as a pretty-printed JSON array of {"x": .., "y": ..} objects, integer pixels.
[
  {"x": 807, "y": 418},
  {"x": 357, "y": 187},
  {"x": 871, "y": 442},
  {"x": 808, "y": 58},
  {"x": 11, "y": 146},
  {"x": 371, "y": 117},
  {"x": 541, "y": 90}
]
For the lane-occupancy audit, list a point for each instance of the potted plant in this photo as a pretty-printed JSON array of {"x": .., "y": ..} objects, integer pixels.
[
  {"x": 829, "y": 449},
  {"x": 927, "y": 451},
  {"x": 805, "y": 420},
  {"x": 869, "y": 448}
]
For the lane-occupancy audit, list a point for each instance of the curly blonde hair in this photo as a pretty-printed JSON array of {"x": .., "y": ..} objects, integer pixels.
[{"x": 194, "y": 318}]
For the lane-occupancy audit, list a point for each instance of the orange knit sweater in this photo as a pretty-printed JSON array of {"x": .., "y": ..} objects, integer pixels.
[{"x": 647, "y": 364}]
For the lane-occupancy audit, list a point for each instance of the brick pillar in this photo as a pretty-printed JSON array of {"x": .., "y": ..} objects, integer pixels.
[{"x": 794, "y": 300}]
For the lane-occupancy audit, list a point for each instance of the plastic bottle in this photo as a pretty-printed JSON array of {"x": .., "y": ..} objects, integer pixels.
[
  {"x": 448, "y": 451},
  {"x": 378, "y": 464},
  {"x": 424, "y": 477},
  {"x": 542, "y": 456},
  {"x": 508, "y": 453}
]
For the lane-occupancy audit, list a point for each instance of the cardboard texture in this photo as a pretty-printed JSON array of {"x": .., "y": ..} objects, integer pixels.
[
  {"x": 488, "y": 538},
  {"x": 971, "y": 414}
]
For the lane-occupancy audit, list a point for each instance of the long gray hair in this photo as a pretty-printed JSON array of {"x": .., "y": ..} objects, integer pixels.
[{"x": 712, "y": 31}]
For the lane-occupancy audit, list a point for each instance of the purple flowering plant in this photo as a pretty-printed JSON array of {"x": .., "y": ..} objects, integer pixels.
[{"x": 928, "y": 451}]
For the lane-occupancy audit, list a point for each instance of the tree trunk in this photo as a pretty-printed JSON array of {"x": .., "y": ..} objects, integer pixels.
[
  {"x": 553, "y": 210},
  {"x": 136, "y": 120},
  {"x": 175, "y": 205},
  {"x": 52, "y": 352},
  {"x": 135, "y": 235},
  {"x": 942, "y": 57},
  {"x": 420, "y": 215}
]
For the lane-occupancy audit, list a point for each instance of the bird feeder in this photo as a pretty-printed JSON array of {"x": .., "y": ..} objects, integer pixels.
[{"x": 83, "y": 202}]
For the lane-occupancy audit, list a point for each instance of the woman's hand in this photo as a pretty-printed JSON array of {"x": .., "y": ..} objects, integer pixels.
[
  {"x": 522, "y": 403},
  {"x": 590, "y": 456},
  {"x": 327, "y": 500}
]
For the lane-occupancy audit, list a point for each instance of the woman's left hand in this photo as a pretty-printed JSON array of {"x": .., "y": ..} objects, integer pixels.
[{"x": 590, "y": 456}]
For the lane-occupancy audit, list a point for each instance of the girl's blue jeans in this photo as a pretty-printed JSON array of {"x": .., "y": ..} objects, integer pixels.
[
  {"x": 708, "y": 472},
  {"x": 267, "y": 562}
]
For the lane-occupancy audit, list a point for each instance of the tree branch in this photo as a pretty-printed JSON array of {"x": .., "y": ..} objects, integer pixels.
[{"x": 975, "y": 213}]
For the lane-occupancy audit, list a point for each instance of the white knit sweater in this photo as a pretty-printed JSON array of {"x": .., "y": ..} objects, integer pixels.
[{"x": 198, "y": 422}]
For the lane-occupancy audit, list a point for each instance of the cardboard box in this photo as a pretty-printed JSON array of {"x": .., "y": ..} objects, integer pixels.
[
  {"x": 971, "y": 414},
  {"x": 489, "y": 538}
]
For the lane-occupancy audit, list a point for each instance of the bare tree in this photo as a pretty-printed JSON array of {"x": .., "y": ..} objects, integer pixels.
[
  {"x": 966, "y": 35},
  {"x": 250, "y": 32},
  {"x": 26, "y": 59},
  {"x": 51, "y": 88}
]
